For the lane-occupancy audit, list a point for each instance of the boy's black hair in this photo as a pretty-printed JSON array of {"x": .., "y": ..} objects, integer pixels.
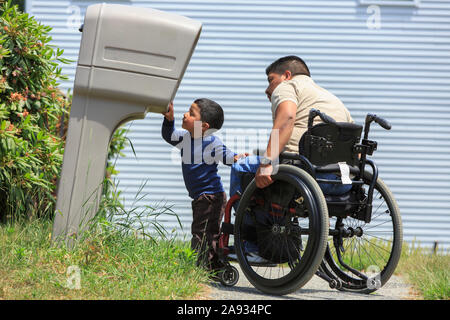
[
  {"x": 210, "y": 112},
  {"x": 292, "y": 63}
]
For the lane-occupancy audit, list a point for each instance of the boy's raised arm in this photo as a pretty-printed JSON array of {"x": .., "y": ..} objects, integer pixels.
[
  {"x": 169, "y": 115},
  {"x": 168, "y": 132}
]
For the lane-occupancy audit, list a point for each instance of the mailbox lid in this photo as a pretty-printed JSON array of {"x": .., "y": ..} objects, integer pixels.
[{"x": 140, "y": 40}]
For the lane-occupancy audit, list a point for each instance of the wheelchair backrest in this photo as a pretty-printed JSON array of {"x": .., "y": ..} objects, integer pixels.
[{"x": 327, "y": 143}]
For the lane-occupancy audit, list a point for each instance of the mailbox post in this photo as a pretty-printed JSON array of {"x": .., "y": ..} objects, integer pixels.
[{"x": 131, "y": 62}]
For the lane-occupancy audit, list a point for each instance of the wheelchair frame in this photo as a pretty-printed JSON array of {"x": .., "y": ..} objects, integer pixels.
[{"x": 341, "y": 274}]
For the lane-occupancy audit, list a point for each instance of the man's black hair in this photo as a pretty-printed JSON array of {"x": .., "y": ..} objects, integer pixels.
[
  {"x": 210, "y": 112},
  {"x": 292, "y": 63}
]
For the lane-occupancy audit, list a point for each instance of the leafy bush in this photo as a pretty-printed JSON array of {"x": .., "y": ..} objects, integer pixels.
[
  {"x": 33, "y": 117},
  {"x": 31, "y": 108}
]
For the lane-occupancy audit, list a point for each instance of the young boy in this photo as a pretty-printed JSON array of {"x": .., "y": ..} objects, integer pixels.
[{"x": 201, "y": 152}]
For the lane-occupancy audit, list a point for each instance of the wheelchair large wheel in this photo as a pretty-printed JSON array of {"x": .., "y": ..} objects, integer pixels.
[
  {"x": 290, "y": 229},
  {"x": 372, "y": 250}
]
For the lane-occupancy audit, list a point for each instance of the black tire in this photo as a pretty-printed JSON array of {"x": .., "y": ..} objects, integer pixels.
[
  {"x": 229, "y": 276},
  {"x": 376, "y": 253},
  {"x": 288, "y": 273}
]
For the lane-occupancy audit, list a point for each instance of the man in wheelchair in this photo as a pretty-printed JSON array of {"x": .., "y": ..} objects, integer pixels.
[
  {"x": 321, "y": 212},
  {"x": 293, "y": 94}
]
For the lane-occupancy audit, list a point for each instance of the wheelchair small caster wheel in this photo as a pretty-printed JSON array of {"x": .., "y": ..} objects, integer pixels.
[
  {"x": 229, "y": 276},
  {"x": 335, "y": 284}
]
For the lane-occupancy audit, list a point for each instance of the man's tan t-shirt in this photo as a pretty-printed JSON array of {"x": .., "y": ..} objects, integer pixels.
[{"x": 306, "y": 94}]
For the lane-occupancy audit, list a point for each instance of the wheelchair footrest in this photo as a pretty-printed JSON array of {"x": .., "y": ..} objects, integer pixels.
[{"x": 227, "y": 228}]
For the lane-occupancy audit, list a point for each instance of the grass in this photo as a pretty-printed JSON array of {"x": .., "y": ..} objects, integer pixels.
[
  {"x": 360, "y": 255},
  {"x": 428, "y": 273},
  {"x": 120, "y": 265},
  {"x": 108, "y": 265}
]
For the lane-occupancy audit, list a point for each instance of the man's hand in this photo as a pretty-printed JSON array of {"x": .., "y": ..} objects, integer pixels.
[
  {"x": 169, "y": 114},
  {"x": 263, "y": 176}
]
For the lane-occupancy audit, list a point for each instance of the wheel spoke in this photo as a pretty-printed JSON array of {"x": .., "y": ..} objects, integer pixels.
[
  {"x": 293, "y": 254},
  {"x": 378, "y": 245}
]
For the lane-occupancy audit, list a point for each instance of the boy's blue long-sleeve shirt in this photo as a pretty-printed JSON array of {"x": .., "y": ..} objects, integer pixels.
[{"x": 200, "y": 158}]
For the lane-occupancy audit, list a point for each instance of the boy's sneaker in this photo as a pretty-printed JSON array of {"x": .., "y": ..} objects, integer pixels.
[{"x": 232, "y": 255}]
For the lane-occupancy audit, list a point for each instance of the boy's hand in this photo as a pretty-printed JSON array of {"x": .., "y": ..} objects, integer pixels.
[
  {"x": 242, "y": 155},
  {"x": 169, "y": 114}
]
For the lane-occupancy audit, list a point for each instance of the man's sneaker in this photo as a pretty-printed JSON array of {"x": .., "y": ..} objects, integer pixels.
[
  {"x": 232, "y": 256},
  {"x": 253, "y": 258},
  {"x": 251, "y": 252}
]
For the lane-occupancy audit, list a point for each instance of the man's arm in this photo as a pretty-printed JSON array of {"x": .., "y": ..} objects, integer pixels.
[{"x": 283, "y": 125}]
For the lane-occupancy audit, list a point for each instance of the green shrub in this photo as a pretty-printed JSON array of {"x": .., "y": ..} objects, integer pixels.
[{"x": 33, "y": 117}]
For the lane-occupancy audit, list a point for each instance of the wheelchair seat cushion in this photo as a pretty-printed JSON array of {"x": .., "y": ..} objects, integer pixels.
[
  {"x": 347, "y": 203},
  {"x": 334, "y": 168},
  {"x": 332, "y": 189}
]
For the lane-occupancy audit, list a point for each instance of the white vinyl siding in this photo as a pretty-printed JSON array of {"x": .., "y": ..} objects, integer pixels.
[{"x": 397, "y": 68}]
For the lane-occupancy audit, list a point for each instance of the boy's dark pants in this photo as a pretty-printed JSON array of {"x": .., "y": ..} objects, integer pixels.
[{"x": 207, "y": 211}]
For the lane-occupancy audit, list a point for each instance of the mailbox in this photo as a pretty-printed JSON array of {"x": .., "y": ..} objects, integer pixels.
[{"x": 131, "y": 62}]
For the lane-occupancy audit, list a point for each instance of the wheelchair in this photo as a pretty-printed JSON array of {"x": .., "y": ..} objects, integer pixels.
[{"x": 351, "y": 239}]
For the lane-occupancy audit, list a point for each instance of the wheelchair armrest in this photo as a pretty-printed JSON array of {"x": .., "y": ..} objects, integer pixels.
[{"x": 289, "y": 155}]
